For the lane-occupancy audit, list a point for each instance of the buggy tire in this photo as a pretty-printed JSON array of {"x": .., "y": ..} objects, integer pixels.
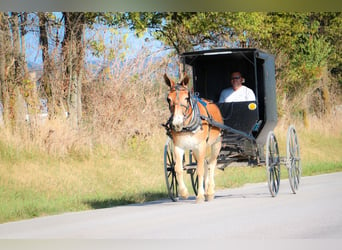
[
  {"x": 194, "y": 180},
  {"x": 192, "y": 171},
  {"x": 293, "y": 162},
  {"x": 169, "y": 170},
  {"x": 272, "y": 164}
]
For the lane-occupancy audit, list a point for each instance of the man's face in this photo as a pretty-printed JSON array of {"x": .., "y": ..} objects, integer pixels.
[{"x": 236, "y": 80}]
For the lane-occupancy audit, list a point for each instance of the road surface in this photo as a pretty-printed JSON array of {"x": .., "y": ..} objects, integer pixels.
[{"x": 315, "y": 212}]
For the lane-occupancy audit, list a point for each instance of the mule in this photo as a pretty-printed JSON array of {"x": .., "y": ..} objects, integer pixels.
[{"x": 191, "y": 129}]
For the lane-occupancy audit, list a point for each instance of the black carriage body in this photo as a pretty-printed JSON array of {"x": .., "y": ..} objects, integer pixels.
[{"x": 211, "y": 74}]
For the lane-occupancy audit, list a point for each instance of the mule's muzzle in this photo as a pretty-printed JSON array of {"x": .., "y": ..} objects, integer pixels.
[
  {"x": 177, "y": 123},
  {"x": 177, "y": 128}
]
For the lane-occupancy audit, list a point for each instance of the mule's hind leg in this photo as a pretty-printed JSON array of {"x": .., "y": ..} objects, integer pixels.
[
  {"x": 183, "y": 191},
  {"x": 210, "y": 186}
]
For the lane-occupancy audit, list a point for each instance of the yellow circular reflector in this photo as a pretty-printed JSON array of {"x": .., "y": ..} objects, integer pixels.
[{"x": 252, "y": 106}]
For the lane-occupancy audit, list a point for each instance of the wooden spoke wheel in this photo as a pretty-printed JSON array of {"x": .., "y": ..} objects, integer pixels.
[
  {"x": 293, "y": 162},
  {"x": 191, "y": 164},
  {"x": 272, "y": 164},
  {"x": 169, "y": 169},
  {"x": 194, "y": 180}
]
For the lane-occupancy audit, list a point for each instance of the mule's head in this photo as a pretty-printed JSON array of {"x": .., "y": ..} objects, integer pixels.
[{"x": 179, "y": 102}]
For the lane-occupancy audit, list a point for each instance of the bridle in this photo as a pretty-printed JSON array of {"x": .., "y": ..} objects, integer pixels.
[
  {"x": 191, "y": 110},
  {"x": 186, "y": 113}
]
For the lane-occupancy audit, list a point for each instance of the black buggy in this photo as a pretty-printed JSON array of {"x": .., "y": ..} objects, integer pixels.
[{"x": 247, "y": 132}]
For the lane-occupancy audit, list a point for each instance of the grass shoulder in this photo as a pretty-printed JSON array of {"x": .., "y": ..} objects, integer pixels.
[{"x": 34, "y": 183}]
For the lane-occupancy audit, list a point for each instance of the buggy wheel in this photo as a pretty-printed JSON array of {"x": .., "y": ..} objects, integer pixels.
[
  {"x": 169, "y": 169},
  {"x": 293, "y": 162},
  {"x": 192, "y": 166},
  {"x": 194, "y": 180},
  {"x": 272, "y": 164}
]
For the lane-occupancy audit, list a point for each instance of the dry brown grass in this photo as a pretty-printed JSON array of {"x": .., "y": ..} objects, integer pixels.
[
  {"x": 123, "y": 99},
  {"x": 126, "y": 99}
]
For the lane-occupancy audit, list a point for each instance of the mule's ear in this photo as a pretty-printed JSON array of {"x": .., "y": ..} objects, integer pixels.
[
  {"x": 185, "y": 80},
  {"x": 168, "y": 81}
]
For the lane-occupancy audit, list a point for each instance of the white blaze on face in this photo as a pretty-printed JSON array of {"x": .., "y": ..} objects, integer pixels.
[
  {"x": 177, "y": 121},
  {"x": 178, "y": 101}
]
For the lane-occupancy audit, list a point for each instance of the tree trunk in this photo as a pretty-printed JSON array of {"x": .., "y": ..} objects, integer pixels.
[
  {"x": 14, "y": 79},
  {"x": 23, "y": 19},
  {"x": 18, "y": 60},
  {"x": 2, "y": 67},
  {"x": 2, "y": 56},
  {"x": 326, "y": 100},
  {"x": 6, "y": 68},
  {"x": 325, "y": 91},
  {"x": 46, "y": 80},
  {"x": 73, "y": 54}
]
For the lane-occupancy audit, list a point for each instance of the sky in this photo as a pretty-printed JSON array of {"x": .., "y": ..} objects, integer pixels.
[{"x": 111, "y": 37}]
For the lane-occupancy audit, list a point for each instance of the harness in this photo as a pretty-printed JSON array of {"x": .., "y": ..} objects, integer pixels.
[{"x": 195, "y": 121}]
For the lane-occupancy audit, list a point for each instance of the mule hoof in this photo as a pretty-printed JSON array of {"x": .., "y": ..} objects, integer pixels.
[
  {"x": 184, "y": 194},
  {"x": 200, "y": 199},
  {"x": 209, "y": 197},
  {"x": 184, "y": 197}
]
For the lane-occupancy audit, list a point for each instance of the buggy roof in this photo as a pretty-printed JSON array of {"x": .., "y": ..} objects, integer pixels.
[{"x": 190, "y": 57}]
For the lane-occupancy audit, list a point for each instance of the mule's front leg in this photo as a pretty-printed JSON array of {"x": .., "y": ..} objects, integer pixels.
[
  {"x": 210, "y": 185},
  {"x": 183, "y": 191},
  {"x": 200, "y": 157}
]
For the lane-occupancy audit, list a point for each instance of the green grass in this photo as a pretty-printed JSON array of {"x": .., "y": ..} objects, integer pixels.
[
  {"x": 321, "y": 168},
  {"x": 36, "y": 185},
  {"x": 33, "y": 183}
]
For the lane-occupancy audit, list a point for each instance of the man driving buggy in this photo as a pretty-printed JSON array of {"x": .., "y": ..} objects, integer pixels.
[{"x": 237, "y": 92}]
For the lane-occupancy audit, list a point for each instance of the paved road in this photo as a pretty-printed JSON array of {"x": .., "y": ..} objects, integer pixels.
[{"x": 315, "y": 212}]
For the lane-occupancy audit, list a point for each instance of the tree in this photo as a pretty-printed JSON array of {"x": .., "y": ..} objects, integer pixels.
[
  {"x": 330, "y": 27},
  {"x": 73, "y": 56},
  {"x": 304, "y": 49},
  {"x": 14, "y": 72},
  {"x": 182, "y": 31},
  {"x": 307, "y": 45},
  {"x": 3, "y": 63},
  {"x": 46, "y": 80},
  {"x": 64, "y": 91},
  {"x": 13, "y": 67}
]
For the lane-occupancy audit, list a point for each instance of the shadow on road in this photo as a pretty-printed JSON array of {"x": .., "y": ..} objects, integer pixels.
[
  {"x": 243, "y": 196},
  {"x": 140, "y": 198},
  {"x": 151, "y": 198}
]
